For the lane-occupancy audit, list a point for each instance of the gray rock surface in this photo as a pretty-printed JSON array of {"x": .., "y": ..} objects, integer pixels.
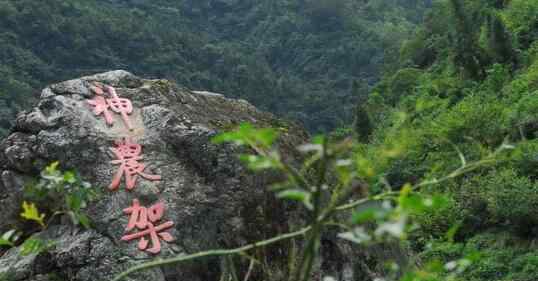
[{"x": 213, "y": 201}]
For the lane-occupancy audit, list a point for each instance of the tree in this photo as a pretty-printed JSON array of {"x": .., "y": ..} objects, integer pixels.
[
  {"x": 362, "y": 125},
  {"x": 467, "y": 52},
  {"x": 499, "y": 41}
]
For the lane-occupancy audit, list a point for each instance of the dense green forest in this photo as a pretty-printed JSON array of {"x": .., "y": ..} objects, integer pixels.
[
  {"x": 426, "y": 89},
  {"x": 466, "y": 86},
  {"x": 305, "y": 60}
]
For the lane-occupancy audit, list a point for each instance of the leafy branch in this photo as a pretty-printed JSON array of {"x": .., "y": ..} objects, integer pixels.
[
  {"x": 64, "y": 193},
  {"x": 198, "y": 255},
  {"x": 323, "y": 160},
  {"x": 463, "y": 169},
  {"x": 60, "y": 193}
]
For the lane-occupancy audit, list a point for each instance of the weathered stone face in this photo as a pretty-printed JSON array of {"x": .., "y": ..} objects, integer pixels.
[{"x": 213, "y": 201}]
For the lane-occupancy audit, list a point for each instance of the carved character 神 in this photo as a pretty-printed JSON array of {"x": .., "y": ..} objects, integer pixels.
[{"x": 102, "y": 105}]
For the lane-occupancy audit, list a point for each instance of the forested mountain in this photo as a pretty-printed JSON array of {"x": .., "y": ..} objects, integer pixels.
[
  {"x": 308, "y": 60},
  {"x": 441, "y": 97},
  {"x": 466, "y": 88}
]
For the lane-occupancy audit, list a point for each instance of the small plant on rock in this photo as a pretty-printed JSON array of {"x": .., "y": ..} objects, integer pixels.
[{"x": 62, "y": 193}]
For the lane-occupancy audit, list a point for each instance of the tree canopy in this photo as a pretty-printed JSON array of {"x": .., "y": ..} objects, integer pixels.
[{"x": 296, "y": 58}]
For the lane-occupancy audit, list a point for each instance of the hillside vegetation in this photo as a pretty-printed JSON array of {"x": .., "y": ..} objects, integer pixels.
[
  {"x": 308, "y": 60},
  {"x": 466, "y": 86},
  {"x": 449, "y": 94}
]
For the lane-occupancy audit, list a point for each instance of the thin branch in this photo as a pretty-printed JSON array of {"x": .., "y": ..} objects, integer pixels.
[
  {"x": 231, "y": 268},
  {"x": 321, "y": 218},
  {"x": 250, "y": 269},
  {"x": 211, "y": 253},
  {"x": 311, "y": 249},
  {"x": 460, "y": 154},
  {"x": 456, "y": 173},
  {"x": 287, "y": 168},
  {"x": 354, "y": 204}
]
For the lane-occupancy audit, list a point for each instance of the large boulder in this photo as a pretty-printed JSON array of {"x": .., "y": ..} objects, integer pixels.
[{"x": 212, "y": 199}]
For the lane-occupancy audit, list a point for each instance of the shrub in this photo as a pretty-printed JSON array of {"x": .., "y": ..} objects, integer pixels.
[
  {"x": 512, "y": 198},
  {"x": 503, "y": 257},
  {"x": 402, "y": 83},
  {"x": 480, "y": 117},
  {"x": 442, "y": 251},
  {"x": 525, "y": 159},
  {"x": 509, "y": 198},
  {"x": 524, "y": 267},
  {"x": 521, "y": 17},
  {"x": 436, "y": 223},
  {"x": 62, "y": 193},
  {"x": 418, "y": 51}
]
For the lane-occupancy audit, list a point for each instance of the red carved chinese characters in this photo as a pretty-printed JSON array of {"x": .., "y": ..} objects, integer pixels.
[
  {"x": 127, "y": 156},
  {"x": 116, "y": 104},
  {"x": 121, "y": 106},
  {"x": 100, "y": 105},
  {"x": 144, "y": 220}
]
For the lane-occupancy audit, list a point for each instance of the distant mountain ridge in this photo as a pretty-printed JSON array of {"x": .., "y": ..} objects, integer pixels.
[{"x": 305, "y": 60}]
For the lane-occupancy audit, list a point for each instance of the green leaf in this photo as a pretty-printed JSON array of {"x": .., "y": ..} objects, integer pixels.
[
  {"x": 367, "y": 215},
  {"x": 294, "y": 194},
  {"x": 415, "y": 203},
  {"x": 84, "y": 220},
  {"x": 70, "y": 177},
  {"x": 358, "y": 236},
  {"x": 266, "y": 136},
  {"x": 240, "y": 136},
  {"x": 74, "y": 201},
  {"x": 35, "y": 246},
  {"x": 52, "y": 167},
  {"x": 4, "y": 242},
  {"x": 9, "y": 235},
  {"x": 8, "y": 238},
  {"x": 319, "y": 139},
  {"x": 73, "y": 217},
  {"x": 247, "y": 134},
  {"x": 232, "y": 137},
  {"x": 30, "y": 212},
  {"x": 297, "y": 195},
  {"x": 257, "y": 162},
  {"x": 404, "y": 193}
]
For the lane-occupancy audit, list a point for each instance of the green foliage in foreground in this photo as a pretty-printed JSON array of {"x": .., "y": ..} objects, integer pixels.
[
  {"x": 62, "y": 193},
  {"x": 335, "y": 186},
  {"x": 58, "y": 193},
  {"x": 455, "y": 98}
]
